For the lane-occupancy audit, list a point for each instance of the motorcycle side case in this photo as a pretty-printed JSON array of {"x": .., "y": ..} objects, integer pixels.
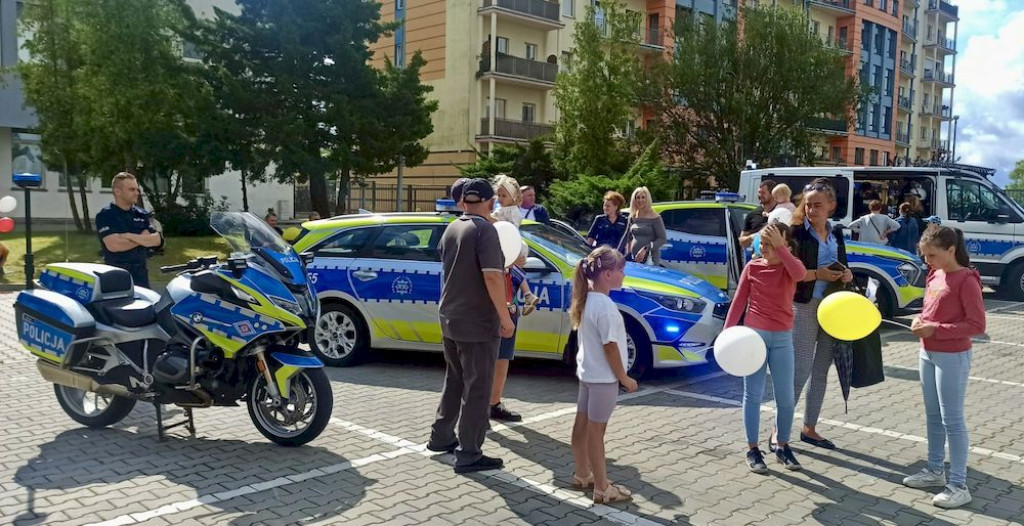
[{"x": 51, "y": 324}]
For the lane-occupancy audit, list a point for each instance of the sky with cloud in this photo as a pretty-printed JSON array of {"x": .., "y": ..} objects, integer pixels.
[{"x": 989, "y": 95}]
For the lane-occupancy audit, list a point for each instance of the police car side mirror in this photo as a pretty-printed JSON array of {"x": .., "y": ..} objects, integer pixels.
[{"x": 535, "y": 264}]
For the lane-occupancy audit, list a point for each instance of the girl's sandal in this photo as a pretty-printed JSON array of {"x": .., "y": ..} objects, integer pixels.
[
  {"x": 531, "y": 302},
  {"x": 582, "y": 483},
  {"x": 612, "y": 494}
]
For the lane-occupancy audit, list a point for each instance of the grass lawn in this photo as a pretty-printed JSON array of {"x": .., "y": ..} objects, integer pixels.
[{"x": 56, "y": 247}]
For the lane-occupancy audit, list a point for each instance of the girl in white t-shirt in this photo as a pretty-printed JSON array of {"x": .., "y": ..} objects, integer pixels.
[{"x": 600, "y": 366}]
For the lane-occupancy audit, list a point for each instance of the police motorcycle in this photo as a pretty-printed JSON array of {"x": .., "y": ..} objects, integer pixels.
[{"x": 223, "y": 333}]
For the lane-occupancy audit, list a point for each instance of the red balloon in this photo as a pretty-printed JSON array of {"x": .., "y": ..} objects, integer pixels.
[{"x": 6, "y": 224}]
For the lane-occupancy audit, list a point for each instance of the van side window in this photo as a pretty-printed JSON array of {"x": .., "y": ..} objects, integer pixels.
[
  {"x": 697, "y": 221},
  {"x": 347, "y": 243},
  {"x": 797, "y": 183},
  {"x": 968, "y": 200}
]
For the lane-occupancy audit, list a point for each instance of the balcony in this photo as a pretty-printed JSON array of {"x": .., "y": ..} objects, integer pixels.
[
  {"x": 834, "y": 7},
  {"x": 940, "y": 43},
  {"x": 828, "y": 126},
  {"x": 903, "y": 138},
  {"x": 928, "y": 110},
  {"x": 539, "y": 13},
  {"x": 506, "y": 130},
  {"x": 944, "y": 9},
  {"x": 907, "y": 67},
  {"x": 944, "y": 112},
  {"x": 842, "y": 44},
  {"x": 946, "y": 79},
  {"x": 904, "y": 102},
  {"x": 653, "y": 40},
  {"x": 516, "y": 70},
  {"x": 942, "y": 146},
  {"x": 910, "y": 30}
]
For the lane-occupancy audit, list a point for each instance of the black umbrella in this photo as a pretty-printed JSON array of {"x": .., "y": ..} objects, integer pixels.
[{"x": 842, "y": 355}]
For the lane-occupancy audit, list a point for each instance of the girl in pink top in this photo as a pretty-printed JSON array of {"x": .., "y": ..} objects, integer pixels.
[
  {"x": 764, "y": 299},
  {"x": 953, "y": 313}
]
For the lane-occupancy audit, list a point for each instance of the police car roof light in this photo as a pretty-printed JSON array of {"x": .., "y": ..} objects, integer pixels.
[
  {"x": 728, "y": 197},
  {"x": 445, "y": 206}
]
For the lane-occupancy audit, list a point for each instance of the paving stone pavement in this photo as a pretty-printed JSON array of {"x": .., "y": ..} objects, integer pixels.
[{"x": 678, "y": 444}]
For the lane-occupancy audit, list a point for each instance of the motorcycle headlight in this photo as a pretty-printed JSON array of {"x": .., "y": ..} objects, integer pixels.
[
  {"x": 910, "y": 272},
  {"x": 243, "y": 295},
  {"x": 677, "y": 303},
  {"x": 287, "y": 305}
]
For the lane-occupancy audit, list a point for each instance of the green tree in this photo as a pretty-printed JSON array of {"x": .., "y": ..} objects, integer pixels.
[
  {"x": 579, "y": 198},
  {"x": 599, "y": 92},
  {"x": 1017, "y": 176},
  {"x": 51, "y": 89},
  {"x": 732, "y": 96},
  {"x": 530, "y": 164}
]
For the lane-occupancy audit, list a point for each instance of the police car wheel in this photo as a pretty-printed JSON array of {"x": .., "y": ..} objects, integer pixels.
[
  {"x": 638, "y": 349},
  {"x": 92, "y": 409},
  {"x": 1013, "y": 287},
  {"x": 340, "y": 337}
]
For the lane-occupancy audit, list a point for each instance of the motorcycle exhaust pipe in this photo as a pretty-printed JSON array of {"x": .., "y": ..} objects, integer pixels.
[{"x": 55, "y": 374}]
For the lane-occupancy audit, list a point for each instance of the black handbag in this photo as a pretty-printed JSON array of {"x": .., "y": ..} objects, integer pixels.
[{"x": 867, "y": 361}]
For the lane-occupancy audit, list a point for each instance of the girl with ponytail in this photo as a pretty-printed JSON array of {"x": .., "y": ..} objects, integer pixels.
[
  {"x": 600, "y": 367},
  {"x": 953, "y": 313}
]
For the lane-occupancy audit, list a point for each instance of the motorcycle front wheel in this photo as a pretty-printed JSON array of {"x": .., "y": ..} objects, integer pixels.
[
  {"x": 92, "y": 409},
  {"x": 298, "y": 419}
]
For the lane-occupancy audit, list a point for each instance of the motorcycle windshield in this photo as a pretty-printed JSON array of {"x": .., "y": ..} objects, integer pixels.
[{"x": 247, "y": 234}]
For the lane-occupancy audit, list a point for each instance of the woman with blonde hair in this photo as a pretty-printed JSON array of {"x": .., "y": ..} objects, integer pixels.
[{"x": 645, "y": 230}]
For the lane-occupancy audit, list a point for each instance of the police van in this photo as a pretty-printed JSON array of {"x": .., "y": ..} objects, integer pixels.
[
  {"x": 378, "y": 279},
  {"x": 703, "y": 240},
  {"x": 960, "y": 196}
]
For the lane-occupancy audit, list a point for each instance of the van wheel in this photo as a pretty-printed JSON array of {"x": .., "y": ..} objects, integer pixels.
[
  {"x": 340, "y": 336},
  {"x": 1013, "y": 287},
  {"x": 639, "y": 356}
]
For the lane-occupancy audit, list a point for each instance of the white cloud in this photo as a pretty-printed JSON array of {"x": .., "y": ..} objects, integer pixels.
[{"x": 990, "y": 85}]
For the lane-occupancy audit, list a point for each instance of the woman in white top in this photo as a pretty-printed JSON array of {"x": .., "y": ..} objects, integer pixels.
[{"x": 600, "y": 367}]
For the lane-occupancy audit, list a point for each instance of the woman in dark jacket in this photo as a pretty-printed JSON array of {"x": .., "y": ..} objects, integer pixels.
[{"x": 819, "y": 247}]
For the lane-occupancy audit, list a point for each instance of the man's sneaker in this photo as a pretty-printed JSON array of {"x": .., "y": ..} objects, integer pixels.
[
  {"x": 755, "y": 461},
  {"x": 443, "y": 448},
  {"x": 501, "y": 413},
  {"x": 952, "y": 497},
  {"x": 784, "y": 455},
  {"x": 482, "y": 464},
  {"x": 925, "y": 479}
]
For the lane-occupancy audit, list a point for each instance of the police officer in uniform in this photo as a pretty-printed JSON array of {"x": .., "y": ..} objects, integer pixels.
[{"x": 125, "y": 230}]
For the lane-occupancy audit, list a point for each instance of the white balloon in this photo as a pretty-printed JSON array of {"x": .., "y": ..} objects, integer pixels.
[
  {"x": 511, "y": 241},
  {"x": 7, "y": 204},
  {"x": 740, "y": 351}
]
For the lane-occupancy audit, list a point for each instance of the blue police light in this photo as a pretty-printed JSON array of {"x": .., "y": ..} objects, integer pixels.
[
  {"x": 728, "y": 197},
  {"x": 672, "y": 329},
  {"x": 28, "y": 180},
  {"x": 444, "y": 206}
]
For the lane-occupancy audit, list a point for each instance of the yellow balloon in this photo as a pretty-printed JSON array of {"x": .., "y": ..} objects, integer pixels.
[
  {"x": 848, "y": 316},
  {"x": 291, "y": 233}
]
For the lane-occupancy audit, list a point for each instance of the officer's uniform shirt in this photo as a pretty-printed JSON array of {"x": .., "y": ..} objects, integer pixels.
[{"x": 112, "y": 219}]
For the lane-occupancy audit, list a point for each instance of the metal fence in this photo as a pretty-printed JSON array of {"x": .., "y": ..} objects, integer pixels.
[{"x": 375, "y": 197}]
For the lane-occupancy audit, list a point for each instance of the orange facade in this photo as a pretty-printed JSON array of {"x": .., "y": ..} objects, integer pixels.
[{"x": 424, "y": 30}]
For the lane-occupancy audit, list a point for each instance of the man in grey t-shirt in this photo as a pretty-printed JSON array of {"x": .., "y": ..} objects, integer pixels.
[{"x": 474, "y": 318}]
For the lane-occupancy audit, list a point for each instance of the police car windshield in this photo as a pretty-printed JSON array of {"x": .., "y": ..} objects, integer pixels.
[
  {"x": 568, "y": 248},
  {"x": 246, "y": 233}
]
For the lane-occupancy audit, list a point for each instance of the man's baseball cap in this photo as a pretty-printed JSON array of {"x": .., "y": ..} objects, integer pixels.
[
  {"x": 477, "y": 191},
  {"x": 457, "y": 188}
]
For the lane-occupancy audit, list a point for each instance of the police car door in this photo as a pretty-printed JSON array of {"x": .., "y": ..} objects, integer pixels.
[
  {"x": 697, "y": 242},
  {"x": 987, "y": 220},
  {"x": 334, "y": 261},
  {"x": 399, "y": 283},
  {"x": 541, "y": 331}
]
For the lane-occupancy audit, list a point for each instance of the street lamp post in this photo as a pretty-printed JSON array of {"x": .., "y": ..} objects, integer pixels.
[{"x": 956, "y": 119}]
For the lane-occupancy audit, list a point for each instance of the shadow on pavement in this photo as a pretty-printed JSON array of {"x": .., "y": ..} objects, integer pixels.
[
  {"x": 556, "y": 456},
  {"x": 81, "y": 457}
]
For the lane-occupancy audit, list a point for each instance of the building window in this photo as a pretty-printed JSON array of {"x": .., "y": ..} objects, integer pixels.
[
  {"x": 882, "y": 5},
  {"x": 566, "y": 63},
  {"x": 502, "y": 45},
  {"x": 879, "y": 44},
  {"x": 876, "y": 78},
  {"x": 836, "y": 153},
  {"x": 887, "y": 123},
  {"x": 872, "y": 119},
  {"x": 529, "y": 112},
  {"x": 499, "y": 109},
  {"x": 569, "y": 8},
  {"x": 400, "y": 54},
  {"x": 895, "y": 7},
  {"x": 889, "y": 75},
  {"x": 865, "y": 38},
  {"x": 858, "y": 156},
  {"x": 874, "y": 157},
  {"x": 531, "y": 51},
  {"x": 399, "y": 5}
]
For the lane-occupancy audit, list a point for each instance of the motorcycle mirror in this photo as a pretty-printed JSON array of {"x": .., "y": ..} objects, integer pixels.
[
  {"x": 307, "y": 258},
  {"x": 237, "y": 266}
]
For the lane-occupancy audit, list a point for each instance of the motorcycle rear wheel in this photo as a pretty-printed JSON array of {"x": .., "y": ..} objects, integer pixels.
[
  {"x": 92, "y": 409},
  {"x": 304, "y": 415}
]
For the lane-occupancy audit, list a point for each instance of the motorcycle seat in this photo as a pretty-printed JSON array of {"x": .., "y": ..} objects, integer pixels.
[{"x": 126, "y": 312}]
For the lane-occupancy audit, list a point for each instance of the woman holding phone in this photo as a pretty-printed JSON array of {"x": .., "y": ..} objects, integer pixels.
[{"x": 822, "y": 250}]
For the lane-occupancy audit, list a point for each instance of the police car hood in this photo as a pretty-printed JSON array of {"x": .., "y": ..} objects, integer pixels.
[{"x": 661, "y": 280}]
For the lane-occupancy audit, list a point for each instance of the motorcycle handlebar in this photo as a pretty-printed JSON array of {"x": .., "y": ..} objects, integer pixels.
[{"x": 167, "y": 269}]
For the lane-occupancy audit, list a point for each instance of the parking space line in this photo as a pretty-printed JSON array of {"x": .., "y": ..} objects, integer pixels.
[
  {"x": 1008, "y": 307},
  {"x": 562, "y": 495},
  {"x": 976, "y": 378},
  {"x": 847, "y": 425}
]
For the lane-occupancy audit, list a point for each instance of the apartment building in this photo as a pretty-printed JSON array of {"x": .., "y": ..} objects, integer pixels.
[
  {"x": 493, "y": 65},
  {"x": 904, "y": 51}
]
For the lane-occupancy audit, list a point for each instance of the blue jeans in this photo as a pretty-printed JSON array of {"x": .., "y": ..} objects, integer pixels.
[
  {"x": 944, "y": 382},
  {"x": 781, "y": 362}
]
